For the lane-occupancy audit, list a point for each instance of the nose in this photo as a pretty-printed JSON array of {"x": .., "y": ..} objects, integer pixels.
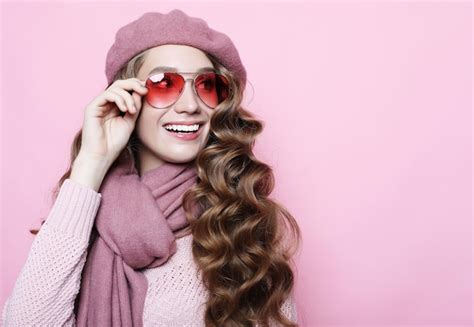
[{"x": 187, "y": 102}]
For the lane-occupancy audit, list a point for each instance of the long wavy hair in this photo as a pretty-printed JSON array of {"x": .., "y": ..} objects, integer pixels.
[{"x": 243, "y": 241}]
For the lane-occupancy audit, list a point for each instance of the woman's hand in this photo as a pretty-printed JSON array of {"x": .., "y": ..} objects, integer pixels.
[{"x": 110, "y": 119}]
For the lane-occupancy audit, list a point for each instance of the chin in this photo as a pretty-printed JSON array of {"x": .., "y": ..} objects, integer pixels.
[{"x": 180, "y": 158}]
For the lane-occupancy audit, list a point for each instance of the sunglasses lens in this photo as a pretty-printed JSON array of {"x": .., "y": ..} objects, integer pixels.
[
  {"x": 165, "y": 88},
  {"x": 212, "y": 88}
]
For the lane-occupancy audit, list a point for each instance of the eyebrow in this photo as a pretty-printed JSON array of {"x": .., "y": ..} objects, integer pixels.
[{"x": 173, "y": 69}]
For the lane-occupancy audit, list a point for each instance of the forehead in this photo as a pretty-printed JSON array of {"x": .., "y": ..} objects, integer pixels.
[{"x": 175, "y": 57}]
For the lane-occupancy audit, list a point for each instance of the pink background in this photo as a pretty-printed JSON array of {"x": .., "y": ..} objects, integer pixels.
[{"x": 367, "y": 110}]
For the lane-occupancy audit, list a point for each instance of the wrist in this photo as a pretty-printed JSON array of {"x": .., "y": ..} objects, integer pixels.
[{"x": 89, "y": 170}]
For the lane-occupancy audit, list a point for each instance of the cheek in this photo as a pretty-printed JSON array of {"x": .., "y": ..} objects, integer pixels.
[{"x": 148, "y": 122}]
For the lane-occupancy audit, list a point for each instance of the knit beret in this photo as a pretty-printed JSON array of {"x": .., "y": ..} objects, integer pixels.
[{"x": 176, "y": 27}]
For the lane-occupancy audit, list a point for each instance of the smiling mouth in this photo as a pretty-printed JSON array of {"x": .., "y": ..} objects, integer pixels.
[{"x": 177, "y": 131}]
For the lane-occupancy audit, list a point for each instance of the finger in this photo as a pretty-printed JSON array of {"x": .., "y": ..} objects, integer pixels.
[
  {"x": 131, "y": 84},
  {"x": 127, "y": 97},
  {"x": 115, "y": 97},
  {"x": 137, "y": 98},
  {"x": 142, "y": 82},
  {"x": 131, "y": 118},
  {"x": 100, "y": 100}
]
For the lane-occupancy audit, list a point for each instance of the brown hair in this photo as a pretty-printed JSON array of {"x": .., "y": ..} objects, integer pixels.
[{"x": 244, "y": 241}]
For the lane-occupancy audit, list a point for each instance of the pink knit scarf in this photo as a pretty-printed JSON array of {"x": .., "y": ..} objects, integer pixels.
[{"x": 136, "y": 227}]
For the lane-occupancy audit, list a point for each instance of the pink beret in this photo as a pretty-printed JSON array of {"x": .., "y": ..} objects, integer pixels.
[{"x": 176, "y": 27}]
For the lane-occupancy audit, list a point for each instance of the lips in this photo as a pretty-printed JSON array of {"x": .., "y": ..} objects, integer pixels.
[
  {"x": 187, "y": 123},
  {"x": 184, "y": 132},
  {"x": 188, "y": 136}
]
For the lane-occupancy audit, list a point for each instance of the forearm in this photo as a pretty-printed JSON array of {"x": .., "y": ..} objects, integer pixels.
[{"x": 49, "y": 281}]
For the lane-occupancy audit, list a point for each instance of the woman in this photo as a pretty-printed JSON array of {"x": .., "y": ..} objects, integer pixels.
[{"x": 163, "y": 217}]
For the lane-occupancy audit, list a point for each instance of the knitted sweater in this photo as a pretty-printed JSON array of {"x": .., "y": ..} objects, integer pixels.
[{"x": 47, "y": 286}]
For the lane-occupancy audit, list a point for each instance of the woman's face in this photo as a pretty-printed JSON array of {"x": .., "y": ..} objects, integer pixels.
[{"x": 157, "y": 144}]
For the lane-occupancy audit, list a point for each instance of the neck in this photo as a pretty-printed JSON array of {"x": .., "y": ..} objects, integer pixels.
[{"x": 147, "y": 161}]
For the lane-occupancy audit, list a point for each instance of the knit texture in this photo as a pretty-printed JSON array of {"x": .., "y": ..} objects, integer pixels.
[
  {"x": 48, "y": 284},
  {"x": 136, "y": 224}
]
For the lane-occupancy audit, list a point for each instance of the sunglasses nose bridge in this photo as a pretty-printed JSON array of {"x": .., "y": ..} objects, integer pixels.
[{"x": 194, "y": 94}]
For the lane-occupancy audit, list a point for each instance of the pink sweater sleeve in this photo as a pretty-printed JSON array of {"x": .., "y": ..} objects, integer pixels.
[{"x": 48, "y": 283}]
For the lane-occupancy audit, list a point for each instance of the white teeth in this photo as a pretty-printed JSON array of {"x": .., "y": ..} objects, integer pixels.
[{"x": 193, "y": 128}]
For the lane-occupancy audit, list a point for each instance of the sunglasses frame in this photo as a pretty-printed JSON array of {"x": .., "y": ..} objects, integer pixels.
[{"x": 193, "y": 84}]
